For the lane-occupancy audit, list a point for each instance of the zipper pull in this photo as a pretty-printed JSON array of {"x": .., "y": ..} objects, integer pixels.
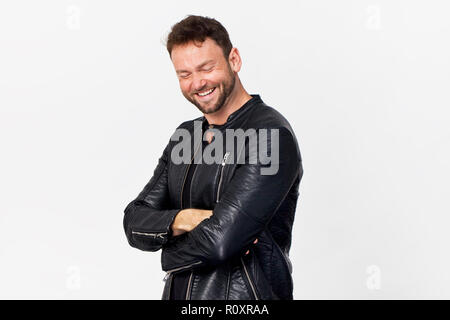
[
  {"x": 225, "y": 157},
  {"x": 166, "y": 277}
]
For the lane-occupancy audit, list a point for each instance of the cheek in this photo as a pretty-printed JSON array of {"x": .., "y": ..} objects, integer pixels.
[
  {"x": 220, "y": 78},
  {"x": 184, "y": 86}
]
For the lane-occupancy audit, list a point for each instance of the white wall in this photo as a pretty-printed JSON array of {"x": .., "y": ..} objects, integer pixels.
[{"x": 89, "y": 98}]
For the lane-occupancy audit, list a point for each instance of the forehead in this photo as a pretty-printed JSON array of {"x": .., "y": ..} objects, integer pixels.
[{"x": 191, "y": 54}]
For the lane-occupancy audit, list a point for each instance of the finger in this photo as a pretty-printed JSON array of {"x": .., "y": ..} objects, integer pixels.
[
  {"x": 256, "y": 241},
  {"x": 248, "y": 251}
]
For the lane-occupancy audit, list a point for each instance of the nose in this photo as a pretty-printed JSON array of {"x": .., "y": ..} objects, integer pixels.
[{"x": 198, "y": 83}]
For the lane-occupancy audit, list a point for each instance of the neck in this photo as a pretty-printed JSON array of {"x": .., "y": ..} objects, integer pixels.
[{"x": 236, "y": 100}]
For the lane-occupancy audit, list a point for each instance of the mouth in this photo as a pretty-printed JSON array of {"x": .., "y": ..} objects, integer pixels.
[{"x": 203, "y": 95}]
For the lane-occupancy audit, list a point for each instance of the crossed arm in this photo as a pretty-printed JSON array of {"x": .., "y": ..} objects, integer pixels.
[
  {"x": 211, "y": 237},
  {"x": 149, "y": 222}
]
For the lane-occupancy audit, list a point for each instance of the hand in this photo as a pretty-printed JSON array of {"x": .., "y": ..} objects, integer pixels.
[
  {"x": 187, "y": 219},
  {"x": 254, "y": 242}
]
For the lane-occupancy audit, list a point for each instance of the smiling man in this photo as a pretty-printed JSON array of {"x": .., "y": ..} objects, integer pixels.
[{"x": 225, "y": 228}]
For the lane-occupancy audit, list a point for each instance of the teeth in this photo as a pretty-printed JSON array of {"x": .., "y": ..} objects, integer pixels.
[{"x": 205, "y": 93}]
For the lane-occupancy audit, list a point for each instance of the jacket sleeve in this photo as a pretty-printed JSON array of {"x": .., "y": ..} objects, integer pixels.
[
  {"x": 148, "y": 218},
  {"x": 244, "y": 210}
]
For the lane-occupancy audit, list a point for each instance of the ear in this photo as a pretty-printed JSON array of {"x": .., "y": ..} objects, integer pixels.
[{"x": 234, "y": 59}]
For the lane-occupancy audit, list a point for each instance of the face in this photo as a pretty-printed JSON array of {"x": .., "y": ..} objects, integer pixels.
[{"x": 206, "y": 78}]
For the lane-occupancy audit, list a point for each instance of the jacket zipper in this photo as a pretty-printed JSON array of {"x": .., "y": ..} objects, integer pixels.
[
  {"x": 175, "y": 270},
  {"x": 249, "y": 280},
  {"x": 225, "y": 157},
  {"x": 189, "y": 286},
  {"x": 154, "y": 235},
  {"x": 170, "y": 285},
  {"x": 183, "y": 267}
]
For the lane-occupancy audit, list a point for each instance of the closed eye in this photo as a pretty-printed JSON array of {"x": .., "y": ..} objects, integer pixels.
[{"x": 184, "y": 75}]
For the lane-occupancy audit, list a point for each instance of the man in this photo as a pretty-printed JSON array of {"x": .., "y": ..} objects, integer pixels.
[{"x": 225, "y": 227}]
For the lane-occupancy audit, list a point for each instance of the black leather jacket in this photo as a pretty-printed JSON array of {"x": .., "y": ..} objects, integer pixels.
[{"x": 246, "y": 205}]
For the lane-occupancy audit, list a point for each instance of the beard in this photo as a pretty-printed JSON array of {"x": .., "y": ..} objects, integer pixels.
[{"x": 226, "y": 86}]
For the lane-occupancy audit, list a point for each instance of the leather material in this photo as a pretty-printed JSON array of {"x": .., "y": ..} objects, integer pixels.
[{"x": 247, "y": 205}]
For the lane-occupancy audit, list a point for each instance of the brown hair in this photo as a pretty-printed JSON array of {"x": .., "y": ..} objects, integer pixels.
[{"x": 197, "y": 29}]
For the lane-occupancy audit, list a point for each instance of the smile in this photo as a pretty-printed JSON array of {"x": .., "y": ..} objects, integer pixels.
[{"x": 205, "y": 93}]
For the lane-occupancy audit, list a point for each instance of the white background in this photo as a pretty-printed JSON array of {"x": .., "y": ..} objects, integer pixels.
[{"x": 89, "y": 99}]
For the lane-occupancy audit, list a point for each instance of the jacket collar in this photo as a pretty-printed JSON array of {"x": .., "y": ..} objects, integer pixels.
[{"x": 236, "y": 114}]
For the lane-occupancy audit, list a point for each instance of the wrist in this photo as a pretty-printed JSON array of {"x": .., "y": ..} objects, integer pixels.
[{"x": 179, "y": 223}]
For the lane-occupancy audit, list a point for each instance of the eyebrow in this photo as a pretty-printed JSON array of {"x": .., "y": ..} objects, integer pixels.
[{"x": 198, "y": 67}]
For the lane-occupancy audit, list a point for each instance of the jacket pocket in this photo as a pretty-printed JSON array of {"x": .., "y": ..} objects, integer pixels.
[{"x": 284, "y": 284}]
